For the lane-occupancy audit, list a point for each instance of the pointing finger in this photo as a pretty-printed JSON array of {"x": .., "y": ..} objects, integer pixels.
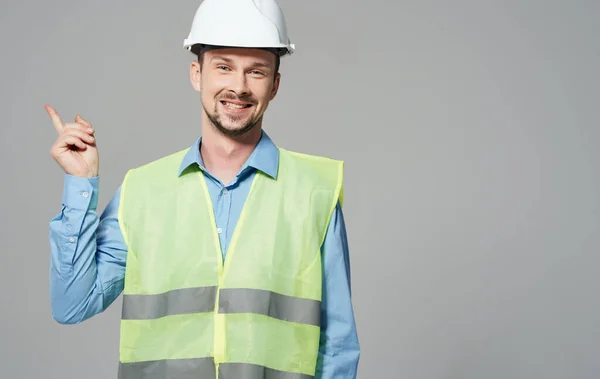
[{"x": 56, "y": 120}]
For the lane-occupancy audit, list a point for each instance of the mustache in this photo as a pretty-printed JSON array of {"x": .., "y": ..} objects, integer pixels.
[{"x": 245, "y": 99}]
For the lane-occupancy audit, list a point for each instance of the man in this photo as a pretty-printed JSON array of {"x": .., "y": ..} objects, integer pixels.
[{"x": 206, "y": 295}]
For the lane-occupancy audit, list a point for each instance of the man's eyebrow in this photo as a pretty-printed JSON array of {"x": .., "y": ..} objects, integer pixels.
[
  {"x": 218, "y": 57},
  {"x": 229, "y": 60},
  {"x": 261, "y": 64}
]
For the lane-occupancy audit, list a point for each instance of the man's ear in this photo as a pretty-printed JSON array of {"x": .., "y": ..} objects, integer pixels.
[
  {"x": 196, "y": 76},
  {"x": 275, "y": 85}
]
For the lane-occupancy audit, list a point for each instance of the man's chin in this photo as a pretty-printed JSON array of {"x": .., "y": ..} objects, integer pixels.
[
  {"x": 232, "y": 126},
  {"x": 235, "y": 129}
]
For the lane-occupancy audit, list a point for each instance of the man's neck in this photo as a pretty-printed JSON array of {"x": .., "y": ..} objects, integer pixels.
[{"x": 223, "y": 156}]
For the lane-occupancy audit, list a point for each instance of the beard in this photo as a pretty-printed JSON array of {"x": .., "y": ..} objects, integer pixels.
[{"x": 218, "y": 120}]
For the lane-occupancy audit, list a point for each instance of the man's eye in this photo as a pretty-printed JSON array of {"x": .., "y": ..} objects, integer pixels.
[
  {"x": 223, "y": 67},
  {"x": 255, "y": 72}
]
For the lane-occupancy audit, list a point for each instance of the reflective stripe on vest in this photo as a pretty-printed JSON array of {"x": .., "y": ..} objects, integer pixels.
[
  {"x": 175, "y": 302},
  {"x": 186, "y": 313},
  {"x": 199, "y": 369},
  {"x": 195, "y": 368},
  {"x": 231, "y": 300}
]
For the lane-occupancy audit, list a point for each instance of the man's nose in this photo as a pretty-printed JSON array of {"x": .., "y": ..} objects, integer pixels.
[{"x": 239, "y": 84}]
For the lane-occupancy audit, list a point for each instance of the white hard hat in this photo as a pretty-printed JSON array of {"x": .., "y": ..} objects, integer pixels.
[{"x": 240, "y": 23}]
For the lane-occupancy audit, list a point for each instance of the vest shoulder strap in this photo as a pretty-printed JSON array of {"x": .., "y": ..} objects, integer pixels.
[{"x": 324, "y": 171}]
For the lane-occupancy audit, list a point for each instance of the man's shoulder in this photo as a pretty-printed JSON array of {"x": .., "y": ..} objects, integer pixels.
[
  {"x": 172, "y": 159},
  {"x": 319, "y": 171},
  {"x": 310, "y": 158},
  {"x": 157, "y": 170},
  {"x": 319, "y": 167}
]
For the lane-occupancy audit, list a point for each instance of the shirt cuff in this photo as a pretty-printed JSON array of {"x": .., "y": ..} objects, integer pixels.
[{"x": 80, "y": 193}]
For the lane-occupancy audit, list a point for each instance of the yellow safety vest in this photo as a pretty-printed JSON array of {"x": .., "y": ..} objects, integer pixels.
[{"x": 186, "y": 314}]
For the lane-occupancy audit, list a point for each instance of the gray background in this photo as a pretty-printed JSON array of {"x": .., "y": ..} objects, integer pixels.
[{"x": 469, "y": 131}]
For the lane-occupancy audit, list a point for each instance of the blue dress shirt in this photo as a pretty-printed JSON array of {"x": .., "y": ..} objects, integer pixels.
[{"x": 87, "y": 267}]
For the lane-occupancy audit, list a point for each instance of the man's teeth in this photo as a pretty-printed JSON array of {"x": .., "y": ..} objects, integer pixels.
[{"x": 234, "y": 106}]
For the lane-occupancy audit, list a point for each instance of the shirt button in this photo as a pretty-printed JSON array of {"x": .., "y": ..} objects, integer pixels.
[
  {"x": 219, "y": 230},
  {"x": 71, "y": 239},
  {"x": 85, "y": 194},
  {"x": 225, "y": 191}
]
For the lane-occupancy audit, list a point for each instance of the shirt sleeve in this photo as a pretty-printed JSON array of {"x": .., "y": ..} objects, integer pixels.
[
  {"x": 339, "y": 349},
  {"x": 88, "y": 253}
]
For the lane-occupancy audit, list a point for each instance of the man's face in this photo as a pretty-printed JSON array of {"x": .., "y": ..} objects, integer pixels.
[{"x": 236, "y": 87}]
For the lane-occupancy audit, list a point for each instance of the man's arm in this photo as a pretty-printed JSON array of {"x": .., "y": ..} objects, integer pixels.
[
  {"x": 339, "y": 350},
  {"x": 87, "y": 265}
]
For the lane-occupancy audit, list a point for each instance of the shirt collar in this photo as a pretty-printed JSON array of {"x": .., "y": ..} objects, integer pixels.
[{"x": 265, "y": 157}]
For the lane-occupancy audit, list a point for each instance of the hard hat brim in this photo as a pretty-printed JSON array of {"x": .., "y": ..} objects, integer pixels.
[{"x": 200, "y": 48}]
